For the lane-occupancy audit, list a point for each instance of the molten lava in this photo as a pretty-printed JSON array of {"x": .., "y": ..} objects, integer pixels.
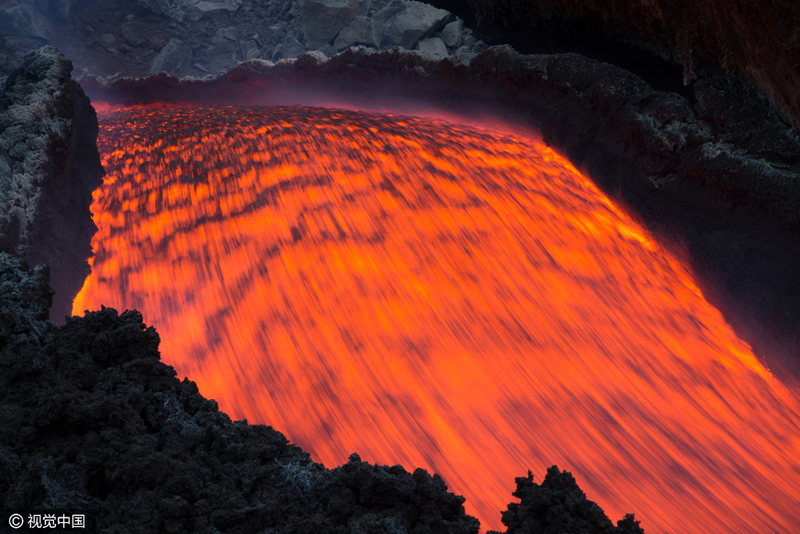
[{"x": 438, "y": 296}]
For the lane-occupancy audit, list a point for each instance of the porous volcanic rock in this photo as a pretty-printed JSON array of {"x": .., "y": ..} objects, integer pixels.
[
  {"x": 558, "y": 505},
  {"x": 49, "y": 166}
]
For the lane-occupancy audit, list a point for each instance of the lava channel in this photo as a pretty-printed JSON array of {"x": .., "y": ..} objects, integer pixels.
[{"x": 439, "y": 296}]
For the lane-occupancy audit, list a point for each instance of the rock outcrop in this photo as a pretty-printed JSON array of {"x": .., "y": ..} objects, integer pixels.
[
  {"x": 756, "y": 43},
  {"x": 49, "y": 166},
  {"x": 92, "y": 422},
  {"x": 559, "y": 505},
  {"x": 118, "y": 38}
]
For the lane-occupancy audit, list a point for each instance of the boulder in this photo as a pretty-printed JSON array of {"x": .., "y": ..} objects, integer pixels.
[
  {"x": 358, "y": 32},
  {"x": 451, "y": 35},
  {"x": 290, "y": 48},
  {"x": 432, "y": 45},
  {"x": 174, "y": 59},
  {"x": 324, "y": 19},
  {"x": 405, "y": 24}
]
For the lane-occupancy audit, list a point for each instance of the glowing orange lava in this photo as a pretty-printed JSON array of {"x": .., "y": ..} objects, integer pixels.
[{"x": 438, "y": 296}]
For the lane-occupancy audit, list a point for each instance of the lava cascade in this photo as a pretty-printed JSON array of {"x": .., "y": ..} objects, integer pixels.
[{"x": 440, "y": 296}]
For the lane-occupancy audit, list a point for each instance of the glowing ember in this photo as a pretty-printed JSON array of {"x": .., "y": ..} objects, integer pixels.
[{"x": 438, "y": 296}]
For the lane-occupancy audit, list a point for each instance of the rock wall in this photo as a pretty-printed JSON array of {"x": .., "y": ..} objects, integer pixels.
[
  {"x": 755, "y": 41},
  {"x": 92, "y": 422},
  {"x": 49, "y": 166}
]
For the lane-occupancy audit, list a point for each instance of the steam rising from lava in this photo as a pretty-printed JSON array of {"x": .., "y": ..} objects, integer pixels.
[{"x": 438, "y": 296}]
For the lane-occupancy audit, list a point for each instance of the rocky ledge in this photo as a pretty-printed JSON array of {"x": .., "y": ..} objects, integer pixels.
[
  {"x": 91, "y": 421},
  {"x": 49, "y": 166}
]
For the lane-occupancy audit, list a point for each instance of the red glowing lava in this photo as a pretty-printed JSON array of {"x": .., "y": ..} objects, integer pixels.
[{"x": 438, "y": 296}]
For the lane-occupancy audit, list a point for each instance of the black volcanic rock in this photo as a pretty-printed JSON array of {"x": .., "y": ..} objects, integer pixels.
[
  {"x": 559, "y": 506},
  {"x": 92, "y": 421},
  {"x": 754, "y": 41},
  {"x": 49, "y": 166}
]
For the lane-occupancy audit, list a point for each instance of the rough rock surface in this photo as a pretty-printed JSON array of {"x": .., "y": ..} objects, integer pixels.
[
  {"x": 323, "y": 19},
  {"x": 174, "y": 59},
  {"x": 118, "y": 38},
  {"x": 558, "y": 505},
  {"x": 358, "y": 32},
  {"x": 756, "y": 40},
  {"x": 49, "y": 166},
  {"x": 432, "y": 45},
  {"x": 92, "y": 421},
  {"x": 289, "y": 49},
  {"x": 404, "y": 24}
]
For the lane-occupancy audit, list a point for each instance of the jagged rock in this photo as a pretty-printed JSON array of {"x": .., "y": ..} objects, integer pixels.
[
  {"x": 290, "y": 48},
  {"x": 174, "y": 59},
  {"x": 358, "y": 32},
  {"x": 92, "y": 421},
  {"x": 758, "y": 41},
  {"x": 463, "y": 55},
  {"x": 405, "y": 24},
  {"x": 249, "y": 49},
  {"x": 25, "y": 295},
  {"x": 451, "y": 34},
  {"x": 328, "y": 51},
  {"x": 224, "y": 34},
  {"x": 558, "y": 505},
  {"x": 49, "y": 166},
  {"x": 222, "y": 52},
  {"x": 432, "y": 45},
  {"x": 108, "y": 38},
  {"x": 323, "y": 19}
]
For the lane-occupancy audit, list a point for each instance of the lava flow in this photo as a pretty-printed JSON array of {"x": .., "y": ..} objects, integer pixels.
[{"x": 439, "y": 296}]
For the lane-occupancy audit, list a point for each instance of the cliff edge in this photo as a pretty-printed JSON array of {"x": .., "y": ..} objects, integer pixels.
[{"x": 49, "y": 166}]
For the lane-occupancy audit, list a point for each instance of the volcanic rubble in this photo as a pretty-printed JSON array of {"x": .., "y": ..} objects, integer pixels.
[{"x": 198, "y": 38}]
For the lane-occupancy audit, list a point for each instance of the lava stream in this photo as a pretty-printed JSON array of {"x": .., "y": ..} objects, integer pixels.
[{"x": 438, "y": 296}]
